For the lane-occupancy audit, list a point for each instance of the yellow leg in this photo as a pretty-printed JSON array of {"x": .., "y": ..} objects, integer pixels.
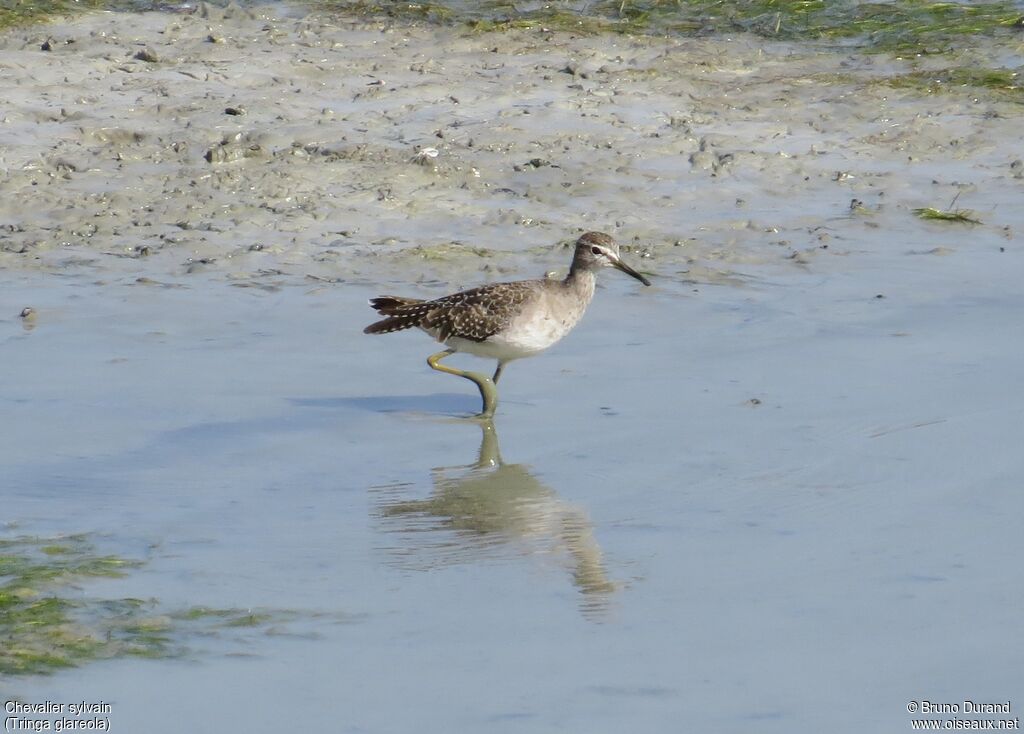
[
  {"x": 497, "y": 372},
  {"x": 488, "y": 392}
]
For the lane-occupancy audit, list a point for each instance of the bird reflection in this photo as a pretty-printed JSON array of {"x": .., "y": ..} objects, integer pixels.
[{"x": 486, "y": 508}]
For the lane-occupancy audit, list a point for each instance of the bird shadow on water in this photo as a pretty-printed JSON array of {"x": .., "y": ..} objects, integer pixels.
[
  {"x": 443, "y": 403},
  {"x": 489, "y": 510}
]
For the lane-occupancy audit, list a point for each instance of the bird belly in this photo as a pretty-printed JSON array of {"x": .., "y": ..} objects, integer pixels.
[
  {"x": 527, "y": 335},
  {"x": 493, "y": 348}
]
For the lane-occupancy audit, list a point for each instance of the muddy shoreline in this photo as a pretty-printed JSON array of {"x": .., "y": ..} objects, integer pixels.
[{"x": 265, "y": 146}]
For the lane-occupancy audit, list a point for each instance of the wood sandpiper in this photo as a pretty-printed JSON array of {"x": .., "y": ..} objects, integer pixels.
[{"x": 504, "y": 321}]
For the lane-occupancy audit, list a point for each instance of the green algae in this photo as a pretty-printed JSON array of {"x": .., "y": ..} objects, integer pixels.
[
  {"x": 25, "y": 12},
  {"x": 227, "y": 617},
  {"x": 901, "y": 27},
  {"x": 897, "y": 27},
  {"x": 1006, "y": 83},
  {"x": 904, "y": 26},
  {"x": 47, "y": 623},
  {"x": 964, "y": 216},
  {"x": 41, "y": 629},
  {"x": 446, "y": 252}
]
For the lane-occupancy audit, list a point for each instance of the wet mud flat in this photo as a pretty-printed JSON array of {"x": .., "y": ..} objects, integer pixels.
[
  {"x": 780, "y": 475},
  {"x": 265, "y": 147}
]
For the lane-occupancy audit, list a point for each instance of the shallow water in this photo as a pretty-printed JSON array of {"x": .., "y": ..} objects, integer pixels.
[
  {"x": 779, "y": 507},
  {"x": 775, "y": 491}
]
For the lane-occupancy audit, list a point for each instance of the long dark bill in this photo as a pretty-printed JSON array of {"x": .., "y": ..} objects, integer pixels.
[{"x": 629, "y": 271}]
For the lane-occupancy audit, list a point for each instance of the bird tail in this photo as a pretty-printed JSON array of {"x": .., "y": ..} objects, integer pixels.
[{"x": 402, "y": 312}]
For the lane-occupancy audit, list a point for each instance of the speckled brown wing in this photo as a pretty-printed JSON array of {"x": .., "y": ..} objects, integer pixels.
[
  {"x": 478, "y": 313},
  {"x": 475, "y": 314}
]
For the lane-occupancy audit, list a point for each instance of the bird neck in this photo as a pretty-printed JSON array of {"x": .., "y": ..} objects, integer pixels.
[{"x": 580, "y": 281}]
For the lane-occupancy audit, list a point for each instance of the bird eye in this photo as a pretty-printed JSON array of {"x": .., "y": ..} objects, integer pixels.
[{"x": 596, "y": 250}]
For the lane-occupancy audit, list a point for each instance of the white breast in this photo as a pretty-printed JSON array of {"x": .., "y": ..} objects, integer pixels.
[{"x": 542, "y": 324}]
